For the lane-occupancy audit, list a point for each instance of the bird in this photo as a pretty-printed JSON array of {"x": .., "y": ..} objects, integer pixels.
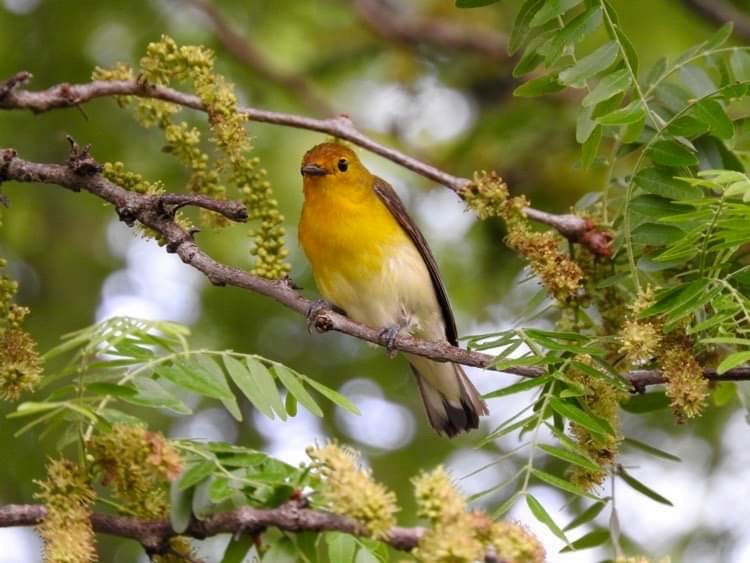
[{"x": 370, "y": 261}]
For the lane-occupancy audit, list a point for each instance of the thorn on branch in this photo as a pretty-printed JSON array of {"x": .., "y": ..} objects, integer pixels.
[
  {"x": 127, "y": 215},
  {"x": 18, "y": 79},
  {"x": 80, "y": 160}
]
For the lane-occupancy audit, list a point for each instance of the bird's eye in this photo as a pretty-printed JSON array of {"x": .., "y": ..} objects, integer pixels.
[{"x": 343, "y": 165}]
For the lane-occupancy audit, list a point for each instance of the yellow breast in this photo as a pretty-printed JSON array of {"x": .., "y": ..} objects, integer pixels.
[{"x": 346, "y": 235}]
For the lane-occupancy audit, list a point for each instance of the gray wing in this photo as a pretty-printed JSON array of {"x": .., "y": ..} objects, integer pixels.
[{"x": 394, "y": 204}]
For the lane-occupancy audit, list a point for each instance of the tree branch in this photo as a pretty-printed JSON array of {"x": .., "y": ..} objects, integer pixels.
[
  {"x": 82, "y": 172},
  {"x": 721, "y": 12},
  {"x": 12, "y": 96},
  {"x": 154, "y": 535},
  {"x": 246, "y": 53},
  {"x": 413, "y": 31}
]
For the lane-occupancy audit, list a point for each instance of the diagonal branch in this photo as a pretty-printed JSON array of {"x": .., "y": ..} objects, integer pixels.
[
  {"x": 246, "y": 53},
  {"x": 12, "y": 96},
  {"x": 413, "y": 31},
  {"x": 82, "y": 173}
]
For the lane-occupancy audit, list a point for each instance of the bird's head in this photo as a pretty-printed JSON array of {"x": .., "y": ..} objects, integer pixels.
[{"x": 333, "y": 164}]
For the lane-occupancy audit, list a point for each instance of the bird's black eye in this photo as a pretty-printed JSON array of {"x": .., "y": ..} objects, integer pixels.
[{"x": 343, "y": 165}]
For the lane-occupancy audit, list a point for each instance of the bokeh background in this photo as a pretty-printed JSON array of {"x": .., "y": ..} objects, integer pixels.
[{"x": 77, "y": 263}]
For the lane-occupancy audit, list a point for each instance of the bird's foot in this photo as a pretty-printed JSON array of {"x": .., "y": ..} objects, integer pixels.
[
  {"x": 316, "y": 317},
  {"x": 388, "y": 338}
]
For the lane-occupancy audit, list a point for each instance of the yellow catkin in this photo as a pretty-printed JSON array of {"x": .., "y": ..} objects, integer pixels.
[
  {"x": 66, "y": 530},
  {"x": 602, "y": 399},
  {"x": 488, "y": 196},
  {"x": 350, "y": 489},
  {"x": 456, "y": 535},
  {"x": 138, "y": 466}
]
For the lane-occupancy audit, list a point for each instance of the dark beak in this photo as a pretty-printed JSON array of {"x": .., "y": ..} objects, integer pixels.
[{"x": 313, "y": 170}]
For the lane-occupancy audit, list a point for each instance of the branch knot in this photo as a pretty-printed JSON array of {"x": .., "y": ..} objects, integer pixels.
[{"x": 80, "y": 160}]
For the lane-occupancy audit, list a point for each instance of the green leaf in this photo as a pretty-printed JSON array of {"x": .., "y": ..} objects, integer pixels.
[
  {"x": 631, "y": 113},
  {"x": 195, "y": 379},
  {"x": 641, "y": 488},
  {"x": 209, "y": 365},
  {"x": 697, "y": 81},
  {"x": 672, "y": 153},
  {"x": 538, "y": 87},
  {"x": 521, "y": 30},
  {"x": 541, "y": 514},
  {"x": 586, "y": 516},
  {"x": 570, "y": 457},
  {"x": 281, "y": 551},
  {"x": 551, "y": 10},
  {"x": 561, "y": 484},
  {"x": 609, "y": 86},
  {"x": 289, "y": 380},
  {"x": 591, "y": 65},
  {"x": 248, "y": 383},
  {"x": 523, "y": 385},
  {"x": 180, "y": 507},
  {"x": 474, "y": 3},
  {"x": 687, "y": 126},
  {"x": 341, "y": 547},
  {"x": 592, "y": 539},
  {"x": 656, "y": 235},
  {"x": 649, "y": 449},
  {"x": 590, "y": 148},
  {"x": 334, "y": 396},
  {"x": 112, "y": 389},
  {"x": 732, "y": 361},
  {"x": 713, "y": 115},
  {"x": 739, "y": 61},
  {"x": 238, "y": 548},
  {"x": 266, "y": 386},
  {"x": 660, "y": 182},
  {"x": 581, "y": 417},
  {"x": 151, "y": 394},
  {"x": 195, "y": 474},
  {"x": 574, "y": 31}
]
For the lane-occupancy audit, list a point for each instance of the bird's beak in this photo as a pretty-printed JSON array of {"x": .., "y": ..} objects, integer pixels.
[{"x": 313, "y": 170}]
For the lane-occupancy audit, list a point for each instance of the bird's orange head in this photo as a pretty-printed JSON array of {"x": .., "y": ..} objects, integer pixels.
[{"x": 332, "y": 165}]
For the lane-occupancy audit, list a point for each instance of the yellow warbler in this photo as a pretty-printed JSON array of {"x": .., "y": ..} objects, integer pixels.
[{"x": 369, "y": 259}]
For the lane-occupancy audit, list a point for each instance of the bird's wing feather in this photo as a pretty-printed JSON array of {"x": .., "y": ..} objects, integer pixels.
[{"x": 394, "y": 204}]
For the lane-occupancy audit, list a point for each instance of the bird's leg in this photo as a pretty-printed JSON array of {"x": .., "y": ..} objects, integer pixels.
[
  {"x": 314, "y": 314},
  {"x": 388, "y": 339}
]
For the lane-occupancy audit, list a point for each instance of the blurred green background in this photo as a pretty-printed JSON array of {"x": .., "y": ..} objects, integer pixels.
[{"x": 77, "y": 264}]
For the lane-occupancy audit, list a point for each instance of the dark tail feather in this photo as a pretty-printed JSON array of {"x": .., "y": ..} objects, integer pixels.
[{"x": 451, "y": 415}]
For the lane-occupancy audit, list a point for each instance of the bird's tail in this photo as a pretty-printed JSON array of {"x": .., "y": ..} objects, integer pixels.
[{"x": 452, "y": 403}]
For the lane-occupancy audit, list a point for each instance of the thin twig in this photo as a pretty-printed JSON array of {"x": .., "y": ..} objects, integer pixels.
[
  {"x": 574, "y": 228},
  {"x": 82, "y": 173}
]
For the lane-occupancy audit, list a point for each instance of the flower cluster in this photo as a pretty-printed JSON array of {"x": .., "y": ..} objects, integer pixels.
[
  {"x": 686, "y": 387},
  {"x": 602, "y": 399},
  {"x": 456, "y": 535},
  {"x": 20, "y": 365},
  {"x": 350, "y": 489},
  {"x": 66, "y": 530},
  {"x": 488, "y": 196},
  {"x": 166, "y": 62},
  {"x": 137, "y": 465},
  {"x": 640, "y": 339}
]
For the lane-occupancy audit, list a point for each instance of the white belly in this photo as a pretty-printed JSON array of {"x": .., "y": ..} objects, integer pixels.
[{"x": 400, "y": 293}]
